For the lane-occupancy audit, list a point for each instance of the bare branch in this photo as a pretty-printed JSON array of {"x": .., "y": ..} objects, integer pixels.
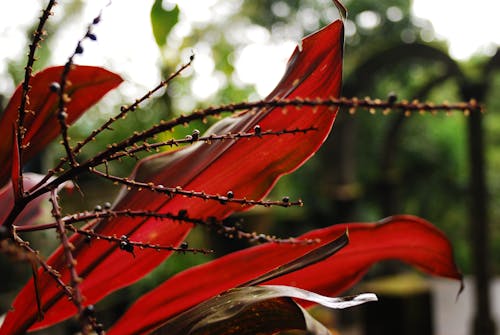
[
  {"x": 76, "y": 296},
  {"x": 64, "y": 98},
  {"x": 126, "y": 245},
  {"x": 125, "y": 109},
  {"x": 28, "y": 70},
  {"x": 171, "y": 191},
  {"x": 190, "y": 139}
]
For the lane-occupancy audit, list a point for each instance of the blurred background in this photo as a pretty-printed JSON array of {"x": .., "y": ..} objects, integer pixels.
[{"x": 444, "y": 168}]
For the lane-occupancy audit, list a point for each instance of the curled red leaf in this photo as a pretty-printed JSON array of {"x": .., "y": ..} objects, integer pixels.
[{"x": 406, "y": 238}]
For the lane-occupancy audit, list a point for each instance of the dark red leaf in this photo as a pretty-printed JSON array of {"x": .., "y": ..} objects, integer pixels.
[
  {"x": 32, "y": 212},
  {"x": 407, "y": 238},
  {"x": 88, "y": 85},
  {"x": 15, "y": 169},
  {"x": 249, "y": 168}
]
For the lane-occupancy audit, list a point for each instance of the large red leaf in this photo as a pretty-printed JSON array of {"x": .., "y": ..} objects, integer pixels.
[
  {"x": 407, "y": 238},
  {"x": 88, "y": 85},
  {"x": 249, "y": 168}
]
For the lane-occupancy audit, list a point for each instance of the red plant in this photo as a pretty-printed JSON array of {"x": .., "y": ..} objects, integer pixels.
[{"x": 238, "y": 160}]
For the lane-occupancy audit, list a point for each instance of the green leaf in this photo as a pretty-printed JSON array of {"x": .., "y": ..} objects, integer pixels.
[
  {"x": 256, "y": 310},
  {"x": 162, "y": 21}
]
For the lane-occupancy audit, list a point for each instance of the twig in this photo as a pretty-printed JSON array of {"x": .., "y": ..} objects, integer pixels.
[
  {"x": 128, "y": 246},
  {"x": 64, "y": 98},
  {"x": 220, "y": 226},
  {"x": 171, "y": 191},
  {"x": 351, "y": 104},
  {"x": 51, "y": 271},
  {"x": 194, "y": 137},
  {"x": 28, "y": 70},
  {"x": 125, "y": 109},
  {"x": 76, "y": 295}
]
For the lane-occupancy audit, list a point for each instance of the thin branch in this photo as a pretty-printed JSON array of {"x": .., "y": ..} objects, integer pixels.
[
  {"x": 222, "y": 227},
  {"x": 76, "y": 295},
  {"x": 190, "y": 139},
  {"x": 171, "y": 191},
  {"x": 47, "y": 268},
  {"x": 123, "y": 112},
  {"x": 352, "y": 104},
  {"x": 28, "y": 70},
  {"x": 125, "y": 109},
  {"x": 64, "y": 98},
  {"x": 128, "y": 246}
]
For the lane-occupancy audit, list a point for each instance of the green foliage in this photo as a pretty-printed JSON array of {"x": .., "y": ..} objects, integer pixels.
[{"x": 162, "y": 21}]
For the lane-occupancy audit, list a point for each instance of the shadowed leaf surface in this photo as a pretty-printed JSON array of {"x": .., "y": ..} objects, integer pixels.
[
  {"x": 256, "y": 310},
  {"x": 406, "y": 238},
  {"x": 33, "y": 210},
  {"x": 249, "y": 168},
  {"x": 88, "y": 85}
]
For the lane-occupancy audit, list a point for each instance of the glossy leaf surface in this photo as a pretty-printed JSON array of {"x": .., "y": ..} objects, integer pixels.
[
  {"x": 249, "y": 168},
  {"x": 407, "y": 238},
  {"x": 88, "y": 85},
  {"x": 256, "y": 310}
]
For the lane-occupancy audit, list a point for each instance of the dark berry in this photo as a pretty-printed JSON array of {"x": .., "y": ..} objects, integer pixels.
[
  {"x": 79, "y": 49},
  {"x": 257, "y": 130},
  {"x": 55, "y": 87},
  {"x": 91, "y": 36},
  {"x": 196, "y": 134},
  {"x": 392, "y": 97}
]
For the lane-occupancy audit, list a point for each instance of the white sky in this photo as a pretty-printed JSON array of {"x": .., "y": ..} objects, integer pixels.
[{"x": 125, "y": 43}]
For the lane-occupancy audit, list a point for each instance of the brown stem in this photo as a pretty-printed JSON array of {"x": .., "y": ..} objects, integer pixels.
[
  {"x": 76, "y": 295},
  {"x": 28, "y": 70}
]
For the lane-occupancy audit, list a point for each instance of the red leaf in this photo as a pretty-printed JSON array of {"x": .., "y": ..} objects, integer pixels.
[
  {"x": 33, "y": 211},
  {"x": 248, "y": 168},
  {"x": 88, "y": 85},
  {"x": 15, "y": 169},
  {"x": 407, "y": 238}
]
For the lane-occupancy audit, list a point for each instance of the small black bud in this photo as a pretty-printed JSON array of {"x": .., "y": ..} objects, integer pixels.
[
  {"x": 79, "y": 49},
  {"x": 89, "y": 311},
  {"x": 184, "y": 245},
  {"x": 107, "y": 205},
  {"x": 286, "y": 200},
  {"x": 98, "y": 208},
  {"x": 230, "y": 194},
  {"x": 191, "y": 58},
  {"x": 55, "y": 87},
  {"x": 195, "y": 135},
  {"x": 62, "y": 116},
  {"x": 262, "y": 238},
  {"x": 189, "y": 138},
  {"x": 91, "y": 36},
  {"x": 96, "y": 20},
  {"x": 257, "y": 130},
  {"x": 126, "y": 246},
  {"x": 99, "y": 328},
  {"x": 182, "y": 213},
  {"x": 392, "y": 97}
]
